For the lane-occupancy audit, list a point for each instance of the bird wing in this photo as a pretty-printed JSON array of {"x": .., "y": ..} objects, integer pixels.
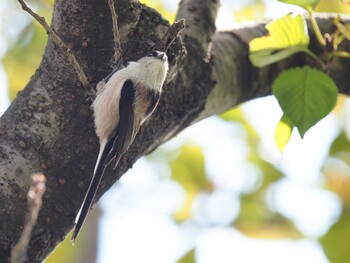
[
  {"x": 129, "y": 123},
  {"x": 116, "y": 145},
  {"x": 139, "y": 102}
]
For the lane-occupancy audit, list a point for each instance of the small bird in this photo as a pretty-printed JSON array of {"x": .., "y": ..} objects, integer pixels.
[{"x": 121, "y": 105}]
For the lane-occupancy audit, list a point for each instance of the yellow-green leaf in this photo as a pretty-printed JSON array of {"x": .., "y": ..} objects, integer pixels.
[
  {"x": 287, "y": 36},
  {"x": 283, "y": 132}
]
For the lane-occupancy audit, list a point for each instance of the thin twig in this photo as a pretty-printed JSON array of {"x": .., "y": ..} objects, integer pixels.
[
  {"x": 34, "y": 197},
  {"x": 341, "y": 54},
  {"x": 316, "y": 29},
  {"x": 58, "y": 41},
  {"x": 171, "y": 35},
  {"x": 117, "y": 48}
]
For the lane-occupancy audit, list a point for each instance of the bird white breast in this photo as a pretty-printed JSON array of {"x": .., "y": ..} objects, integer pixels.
[
  {"x": 149, "y": 72},
  {"x": 106, "y": 105},
  {"x": 152, "y": 72}
]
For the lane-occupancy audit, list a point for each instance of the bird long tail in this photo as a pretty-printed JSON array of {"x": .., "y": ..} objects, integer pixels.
[{"x": 89, "y": 197}]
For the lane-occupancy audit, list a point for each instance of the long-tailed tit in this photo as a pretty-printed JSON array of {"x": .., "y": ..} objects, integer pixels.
[{"x": 121, "y": 106}]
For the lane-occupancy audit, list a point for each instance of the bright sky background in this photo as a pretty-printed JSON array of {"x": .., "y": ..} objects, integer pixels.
[{"x": 144, "y": 195}]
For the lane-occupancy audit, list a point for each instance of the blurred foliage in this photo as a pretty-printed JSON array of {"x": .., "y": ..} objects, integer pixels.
[
  {"x": 189, "y": 171},
  {"x": 337, "y": 6},
  {"x": 85, "y": 248},
  {"x": 189, "y": 257},
  {"x": 254, "y": 10},
  {"x": 336, "y": 241},
  {"x": 22, "y": 60},
  {"x": 339, "y": 162},
  {"x": 337, "y": 179},
  {"x": 41, "y": 3},
  {"x": 256, "y": 219},
  {"x": 25, "y": 56},
  {"x": 65, "y": 252},
  {"x": 340, "y": 145},
  {"x": 160, "y": 6}
]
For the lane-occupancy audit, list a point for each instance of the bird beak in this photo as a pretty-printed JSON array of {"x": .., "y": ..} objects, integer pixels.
[{"x": 162, "y": 56}]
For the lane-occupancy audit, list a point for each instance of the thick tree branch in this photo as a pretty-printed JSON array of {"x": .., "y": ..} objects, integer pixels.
[
  {"x": 200, "y": 16},
  {"x": 49, "y": 126}
]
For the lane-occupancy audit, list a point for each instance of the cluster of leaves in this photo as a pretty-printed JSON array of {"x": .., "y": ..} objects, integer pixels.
[{"x": 306, "y": 95}]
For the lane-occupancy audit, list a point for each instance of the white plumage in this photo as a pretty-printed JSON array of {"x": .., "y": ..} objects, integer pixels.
[{"x": 120, "y": 107}]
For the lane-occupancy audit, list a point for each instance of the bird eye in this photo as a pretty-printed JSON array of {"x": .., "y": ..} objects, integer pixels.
[{"x": 153, "y": 54}]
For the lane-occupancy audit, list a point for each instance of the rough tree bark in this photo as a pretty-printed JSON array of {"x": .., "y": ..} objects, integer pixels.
[{"x": 49, "y": 126}]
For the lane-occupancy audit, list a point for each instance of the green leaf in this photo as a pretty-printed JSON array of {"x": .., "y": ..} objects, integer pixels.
[
  {"x": 306, "y": 95},
  {"x": 287, "y": 36},
  {"x": 307, "y": 4},
  {"x": 283, "y": 132}
]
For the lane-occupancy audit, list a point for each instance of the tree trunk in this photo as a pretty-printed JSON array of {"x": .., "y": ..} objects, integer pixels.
[{"x": 49, "y": 126}]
